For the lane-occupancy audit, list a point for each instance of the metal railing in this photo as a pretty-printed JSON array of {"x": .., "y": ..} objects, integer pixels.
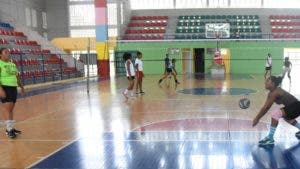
[{"x": 37, "y": 68}]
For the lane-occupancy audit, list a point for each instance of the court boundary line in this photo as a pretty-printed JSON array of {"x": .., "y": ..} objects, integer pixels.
[
  {"x": 47, "y": 156},
  {"x": 32, "y": 140},
  {"x": 162, "y": 121}
]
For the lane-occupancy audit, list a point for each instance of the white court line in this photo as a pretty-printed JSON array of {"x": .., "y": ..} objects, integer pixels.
[
  {"x": 47, "y": 156},
  {"x": 184, "y": 140},
  {"x": 32, "y": 140},
  {"x": 151, "y": 123}
]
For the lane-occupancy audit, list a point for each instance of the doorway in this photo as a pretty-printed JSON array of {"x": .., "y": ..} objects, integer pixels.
[{"x": 199, "y": 60}]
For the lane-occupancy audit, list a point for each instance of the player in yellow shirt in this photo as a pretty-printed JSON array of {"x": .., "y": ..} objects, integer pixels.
[{"x": 9, "y": 82}]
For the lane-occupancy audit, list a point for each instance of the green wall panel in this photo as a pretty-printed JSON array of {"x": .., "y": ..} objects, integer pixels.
[{"x": 246, "y": 57}]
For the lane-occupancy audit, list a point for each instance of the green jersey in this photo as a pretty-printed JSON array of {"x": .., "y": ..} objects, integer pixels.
[{"x": 8, "y": 74}]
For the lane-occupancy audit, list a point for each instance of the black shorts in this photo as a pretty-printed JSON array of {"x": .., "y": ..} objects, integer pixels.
[
  {"x": 269, "y": 68},
  {"x": 292, "y": 111},
  {"x": 11, "y": 94},
  {"x": 132, "y": 77},
  {"x": 169, "y": 70}
]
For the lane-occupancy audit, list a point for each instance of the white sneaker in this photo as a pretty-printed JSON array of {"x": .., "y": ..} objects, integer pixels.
[{"x": 125, "y": 95}]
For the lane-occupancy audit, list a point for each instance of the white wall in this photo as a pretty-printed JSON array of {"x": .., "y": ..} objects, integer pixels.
[
  {"x": 218, "y": 11},
  {"x": 57, "y": 18},
  {"x": 56, "y": 10},
  {"x": 14, "y": 10}
]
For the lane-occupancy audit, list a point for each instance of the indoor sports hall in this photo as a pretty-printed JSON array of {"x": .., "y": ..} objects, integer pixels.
[{"x": 150, "y": 84}]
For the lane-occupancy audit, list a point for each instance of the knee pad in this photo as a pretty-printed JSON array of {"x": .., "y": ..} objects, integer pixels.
[{"x": 276, "y": 113}]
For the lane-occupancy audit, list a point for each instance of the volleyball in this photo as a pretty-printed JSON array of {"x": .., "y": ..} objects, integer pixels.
[{"x": 244, "y": 103}]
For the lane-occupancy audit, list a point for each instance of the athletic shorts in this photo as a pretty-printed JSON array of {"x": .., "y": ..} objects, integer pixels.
[
  {"x": 11, "y": 94},
  {"x": 286, "y": 69},
  {"x": 169, "y": 70},
  {"x": 292, "y": 111},
  {"x": 132, "y": 77},
  {"x": 269, "y": 68},
  {"x": 139, "y": 74}
]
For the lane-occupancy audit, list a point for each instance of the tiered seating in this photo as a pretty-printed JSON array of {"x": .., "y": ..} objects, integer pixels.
[
  {"x": 5, "y": 26},
  {"x": 34, "y": 64},
  {"x": 3, "y": 41},
  {"x": 146, "y": 28},
  {"x": 15, "y": 51},
  {"x": 54, "y": 60},
  {"x": 10, "y": 33},
  {"x": 193, "y": 27},
  {"x": 149, "y": 18},
  {"x": 285, "y": 26},
  {"x": 39, "y": 51},
  {"x": 37, "y": 76},
  {"x": 26, "y": 42}
]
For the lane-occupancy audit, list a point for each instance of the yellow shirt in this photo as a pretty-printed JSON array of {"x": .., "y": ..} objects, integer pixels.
[{"x": 8, "y": 74}]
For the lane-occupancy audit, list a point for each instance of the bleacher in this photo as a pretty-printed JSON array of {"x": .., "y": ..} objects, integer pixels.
[
  {"x": 191, "y": 27},
  {"x": 241, "y": 26},
  {"x": 285, "y": 26},
  {"x": 146, "y": 28},
  {"x": 35, "y": 65}
]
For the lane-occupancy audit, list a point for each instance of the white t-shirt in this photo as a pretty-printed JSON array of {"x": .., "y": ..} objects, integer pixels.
[
  {"x": 131, "y": 68},
  {"x": 139, "y": 63},
  {"x": 269, "y": 62}
]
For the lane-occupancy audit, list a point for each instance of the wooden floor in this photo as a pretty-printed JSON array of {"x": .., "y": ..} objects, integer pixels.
[{"x": 52, "y": 120}]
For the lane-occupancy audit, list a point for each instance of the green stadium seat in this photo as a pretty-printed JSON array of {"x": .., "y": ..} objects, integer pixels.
[
  {"x": 192, "y": 24},
  {"x": 188, "y": 37},
  {"x": 190, "y": 30},
  {"x": 179, "y": 31},
  {"x": 180, "y": 24},
  {"x": 179, "y": 36}
]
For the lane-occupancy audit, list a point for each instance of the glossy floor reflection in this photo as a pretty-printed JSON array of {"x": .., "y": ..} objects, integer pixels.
[
  {"x": 165, "y": 150},
  {"x": 64, "y": 127}
]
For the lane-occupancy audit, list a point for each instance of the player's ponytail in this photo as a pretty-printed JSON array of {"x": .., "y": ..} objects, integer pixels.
[{"x": 276, "y": 80}]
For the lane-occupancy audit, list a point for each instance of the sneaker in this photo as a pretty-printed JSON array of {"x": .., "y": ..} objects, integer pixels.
[
  {"x": 298, "y": 135},
  {"x": 177, "y": 82},
  {"x": 142, "y": 92},
  {"x": 125, "y": 95},
  {"x": 160, "y": 80},
  {"x": 11, "y": 134},
  {"x": 266, "y": 141},
  {"x": 15, "y": 131}
]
